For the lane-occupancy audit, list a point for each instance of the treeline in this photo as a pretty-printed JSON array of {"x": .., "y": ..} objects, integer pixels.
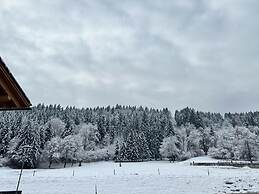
[
  {"x": 56, "y": 134},
  {"x": 53, "y": 134},
  {"x": 234, "y": 136}
]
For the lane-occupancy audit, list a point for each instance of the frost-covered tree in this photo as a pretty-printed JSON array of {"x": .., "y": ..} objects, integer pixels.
[
  {"x": 194, "y": 141},
  {"x": 169, "y": 148},
  {"x": 52, "y": 151},
  {"x": 78, "y": 149},
  {"x": 89, "y": 134},
  {"x": 249, "y": 144},
  {"x": 67, "y": 149},
  {"x": 236, "y": 143},
  {"x": 55, "y": 127},
  {"x": 206, "y": 139},
  {"x": 71, "y": 149},
  {"x": 189, "y": 140},
  {"x": 226, "y": 143}
]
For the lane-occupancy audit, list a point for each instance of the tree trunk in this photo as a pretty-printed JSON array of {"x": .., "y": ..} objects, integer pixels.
[
  {"x": 249, "y": 154},
  {"x": 73, "y": 160},
  {"x": 65, "y": 164},
  {"x": 50, "y": 162}
]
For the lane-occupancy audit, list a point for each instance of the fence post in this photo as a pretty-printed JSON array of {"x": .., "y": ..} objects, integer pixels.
[
  {"x": 19, "y": 180},
  {"x": 95, "y": 188}
]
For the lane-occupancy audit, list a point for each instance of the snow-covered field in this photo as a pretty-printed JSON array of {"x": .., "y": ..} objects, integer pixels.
[{"x": 134, "y": 178}]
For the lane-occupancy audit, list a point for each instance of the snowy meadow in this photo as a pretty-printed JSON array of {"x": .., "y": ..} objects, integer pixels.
[{"x": 159, "y": 177}]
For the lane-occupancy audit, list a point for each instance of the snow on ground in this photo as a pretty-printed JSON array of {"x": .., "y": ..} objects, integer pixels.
[{"x": 159, "y": 177}]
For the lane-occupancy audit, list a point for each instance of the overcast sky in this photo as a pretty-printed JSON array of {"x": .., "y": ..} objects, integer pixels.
[{"x": 157, "y": 53}]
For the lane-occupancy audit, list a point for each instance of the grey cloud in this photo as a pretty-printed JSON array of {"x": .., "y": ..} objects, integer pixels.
[{"x": 172, "y": 54}]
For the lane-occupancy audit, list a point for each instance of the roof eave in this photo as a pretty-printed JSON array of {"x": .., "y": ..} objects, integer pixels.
[{"x": 12, "y": 87}]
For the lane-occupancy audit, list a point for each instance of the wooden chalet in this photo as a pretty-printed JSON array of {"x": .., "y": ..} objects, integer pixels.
[{"x": 12, "y": 96}]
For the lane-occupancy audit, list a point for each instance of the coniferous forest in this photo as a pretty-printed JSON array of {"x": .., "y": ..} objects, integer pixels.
[{"x": 56, "y": 135}]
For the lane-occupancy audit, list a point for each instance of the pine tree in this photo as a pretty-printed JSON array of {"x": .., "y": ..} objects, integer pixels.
[
  {"x": 154, "y": 136},
  {"x": 48, "y": 132},
  {"x": 5, "y": 138},
  {"x": 132, "y": 149},
  {"x": 117, "y": 152},
  {"x": 123, "y": 153},
  {"x": 144, "y": 151},
  {"x": 101, "y": 125},
  {"x": 26, "y": 149},
  {"x": 69, "y": 127}
]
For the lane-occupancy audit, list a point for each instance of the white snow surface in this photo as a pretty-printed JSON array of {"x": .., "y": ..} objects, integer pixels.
[{"x": 156, "y": 177}]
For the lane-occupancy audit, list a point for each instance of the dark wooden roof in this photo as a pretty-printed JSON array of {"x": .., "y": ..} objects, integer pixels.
[{"x": 11, "y": 94}]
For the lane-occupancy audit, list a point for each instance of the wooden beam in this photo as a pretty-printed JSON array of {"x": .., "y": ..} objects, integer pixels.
[
  {"x": 8, "y": 91},
  {"x": 12, "y": 88},
  {"x": 5, "y": 99},
  {"x": 12, "y": 109}
]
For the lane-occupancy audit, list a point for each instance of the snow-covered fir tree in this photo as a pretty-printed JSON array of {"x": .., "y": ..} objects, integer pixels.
[
  {"x": 126, "y": 133},
  {"x": 25, "y": 149}
]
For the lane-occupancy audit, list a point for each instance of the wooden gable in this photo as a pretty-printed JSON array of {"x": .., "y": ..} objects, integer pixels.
[{"x": 12, "y": 96}]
